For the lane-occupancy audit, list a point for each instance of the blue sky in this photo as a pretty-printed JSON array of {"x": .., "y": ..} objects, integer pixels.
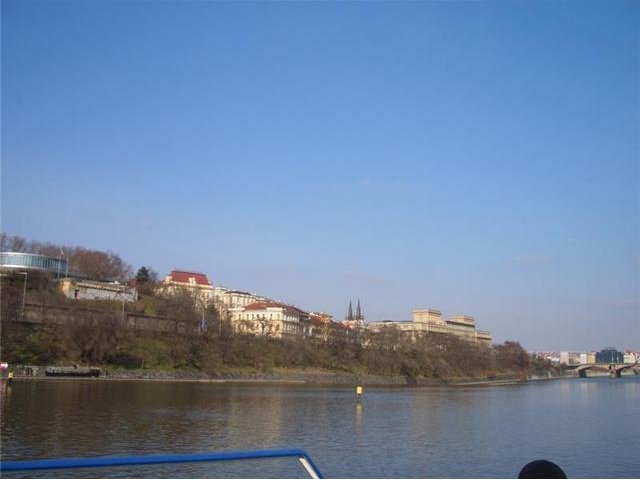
[{"x": 480, "y": 158}]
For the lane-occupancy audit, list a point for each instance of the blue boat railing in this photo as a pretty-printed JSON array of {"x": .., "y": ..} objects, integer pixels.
[{"x": 69, "y": 463}]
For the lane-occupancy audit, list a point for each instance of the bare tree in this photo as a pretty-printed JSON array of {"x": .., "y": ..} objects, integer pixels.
[
  {"x": 94, "y": 264},
  {"x": 14, "y": 243},
  {"x": 99, "y": 265},
  {"x": 96, "y": 337}
]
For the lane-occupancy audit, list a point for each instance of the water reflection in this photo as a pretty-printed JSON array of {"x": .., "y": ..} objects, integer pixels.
[
  {"x": 359, "y": 408},
  {"x": 437, "y": 432}
]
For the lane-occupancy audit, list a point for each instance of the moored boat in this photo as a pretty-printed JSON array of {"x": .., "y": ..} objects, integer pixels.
[{"x": 74, "y": 371}]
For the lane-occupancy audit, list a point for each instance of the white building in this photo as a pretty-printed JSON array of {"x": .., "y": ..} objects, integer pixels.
[
  {"x": 195, "y": 283},
  {"x": 94, "y": 290},
  {"x": 232, "y": 299},
  {"x": 430, "y": 321},
  {"x": 269, "y": 318}
]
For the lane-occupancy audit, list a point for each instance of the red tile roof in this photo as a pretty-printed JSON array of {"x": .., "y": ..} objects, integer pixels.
[{"x": 182, "y": 276}]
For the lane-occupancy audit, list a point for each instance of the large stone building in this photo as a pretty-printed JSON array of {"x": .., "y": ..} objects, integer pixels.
[
  {"x": 609, "y": 355},
  {"x": 269, "y": 318},
  {"x": 464, "y": 327},
  {"x": 430, "y": 321},
  {"x": 195, "y": 283},
  {"x": 232, "y": 299}
]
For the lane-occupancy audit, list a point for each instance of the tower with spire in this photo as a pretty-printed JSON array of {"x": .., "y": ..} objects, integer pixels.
[
  {"x": 349, "y": 312},
  {"x": 358, "y": 312},
  {"x": 358, "y": 316},
  {"x": 354, "y": 322}
]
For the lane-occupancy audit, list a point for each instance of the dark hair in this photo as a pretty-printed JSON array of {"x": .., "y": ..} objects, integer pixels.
[{"x": 541, "y": 469}]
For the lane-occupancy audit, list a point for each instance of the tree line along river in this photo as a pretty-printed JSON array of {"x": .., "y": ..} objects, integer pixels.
[{"x": 587, "y": 426}]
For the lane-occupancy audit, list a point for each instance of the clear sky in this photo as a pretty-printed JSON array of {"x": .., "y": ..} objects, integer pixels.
[{"x": 479, "y": 158}]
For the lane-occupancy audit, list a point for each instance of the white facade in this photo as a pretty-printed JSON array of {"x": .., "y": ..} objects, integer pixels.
[
  {"x": 268, "y": 318},
  {"x": 194, "y": 283},
  {"x": 430, "y": 321},
  {"x": 94, "y": 290},
  {"x": 631, "y": 357},
  {"x": 231, "y": 299}
]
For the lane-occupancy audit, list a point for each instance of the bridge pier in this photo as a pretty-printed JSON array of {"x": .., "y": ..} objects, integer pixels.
[{"x": 615, "y": 370}]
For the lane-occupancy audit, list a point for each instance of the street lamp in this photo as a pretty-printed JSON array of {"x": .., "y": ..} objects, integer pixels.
[
  {"x": 24, "y": 292},
  {"x": 121, "y": 294},
  {"x": 203, "y": 321}
]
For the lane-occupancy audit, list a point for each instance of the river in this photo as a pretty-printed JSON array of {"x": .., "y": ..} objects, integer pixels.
[{"x": 590, "y": 427}]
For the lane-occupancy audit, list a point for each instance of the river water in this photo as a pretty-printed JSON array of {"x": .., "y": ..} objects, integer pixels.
[{"x": 590, "y": 427}]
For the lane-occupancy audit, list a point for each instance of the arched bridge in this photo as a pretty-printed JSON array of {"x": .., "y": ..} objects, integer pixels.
[{"x": 614, "y": 369}]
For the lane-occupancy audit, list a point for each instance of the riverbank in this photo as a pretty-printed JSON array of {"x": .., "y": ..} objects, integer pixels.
[{"x": 282, "y": 376}]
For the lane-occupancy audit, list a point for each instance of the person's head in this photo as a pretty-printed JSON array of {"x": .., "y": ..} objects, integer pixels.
[{"x": 541, "y": 469}]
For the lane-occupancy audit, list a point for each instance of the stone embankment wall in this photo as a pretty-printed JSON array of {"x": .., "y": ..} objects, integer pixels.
[
  {"x": 337, "y": 379},
  {"x": 67, "y": 315},
  {"x": 296, "y": 377},
  {"x": 316, "y": 378}
]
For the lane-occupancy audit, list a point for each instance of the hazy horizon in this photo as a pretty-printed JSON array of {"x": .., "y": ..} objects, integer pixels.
[{"x": 478, "y": 158}]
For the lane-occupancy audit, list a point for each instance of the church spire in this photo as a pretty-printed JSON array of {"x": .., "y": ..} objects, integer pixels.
[
  {"x": 350, "y": 312},
  {"x": 358, "y": 312}
]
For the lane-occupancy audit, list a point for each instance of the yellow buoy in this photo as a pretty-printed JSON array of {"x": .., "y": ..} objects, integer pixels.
[{"x": 359, "y": 391}]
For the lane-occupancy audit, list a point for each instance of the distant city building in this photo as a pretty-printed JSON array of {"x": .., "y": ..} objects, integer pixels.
[
  {"x": 609, "y": 355},
  {"x": 570, "y": 358},
  {"x": 574, "y": 358},
  {"x": 430, "y": 321},
  {"x": 25, "y": 262},
  {"x": 94, "y": 290},
  {"x": 631, "y": 357},
  {"x": 195, "y": 283},
  {"x": 555, "y": 359},
  {"x": 552, "y": 357}
]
